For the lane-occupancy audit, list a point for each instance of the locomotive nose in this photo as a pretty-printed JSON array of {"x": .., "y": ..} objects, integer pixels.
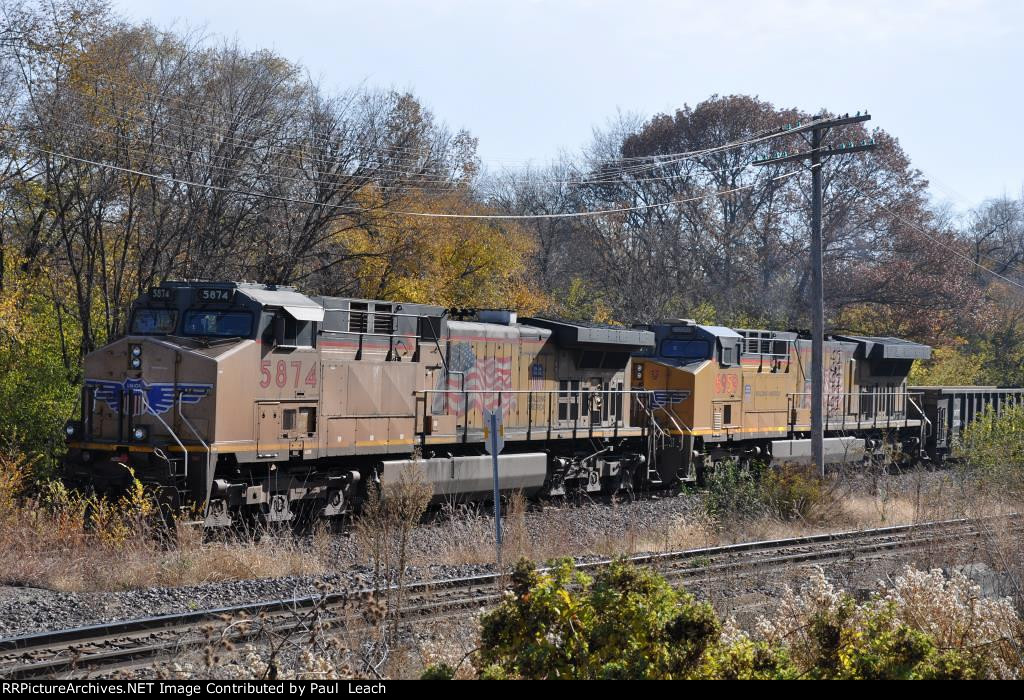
[
  {"x": 133, "y": 394},
  {"x": 137, "y": 411}
]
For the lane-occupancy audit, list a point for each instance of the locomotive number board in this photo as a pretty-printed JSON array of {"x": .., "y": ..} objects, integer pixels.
[
  {"x": 161, "y": 294},
  {"x": 209, "y": 294}
]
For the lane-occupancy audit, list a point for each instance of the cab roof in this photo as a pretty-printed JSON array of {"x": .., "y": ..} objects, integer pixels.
[{"x": 298, "y": 306}]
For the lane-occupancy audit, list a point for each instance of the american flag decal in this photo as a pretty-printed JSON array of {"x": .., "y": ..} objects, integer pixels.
[
  {"x": 483, "y": 377},
  {"x": 537, "y": 377}
]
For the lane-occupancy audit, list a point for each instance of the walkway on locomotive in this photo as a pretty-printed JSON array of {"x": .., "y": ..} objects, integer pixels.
[
  {"x": 723, "y": 384},
  {"x": 461, "y": 367}
]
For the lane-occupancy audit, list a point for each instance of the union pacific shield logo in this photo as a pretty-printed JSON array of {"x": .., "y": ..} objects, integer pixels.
[
  {"x": 666, "y": 398},
  {"x": 148, "y": 398}
]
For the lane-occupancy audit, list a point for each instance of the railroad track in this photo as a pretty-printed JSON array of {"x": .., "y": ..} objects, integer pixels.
[{"x": 134, "y": 643}]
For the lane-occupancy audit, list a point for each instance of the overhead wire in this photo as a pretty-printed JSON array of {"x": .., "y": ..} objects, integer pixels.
[
  {"x": 432, "y": 215},
  {"x": 937, "y": 241},
  {"x": 411, "y": 184},
  {"x": 196, "y": 108},
  {"x": 980, "y": 254},
  {"x": 599, "y": 178}
]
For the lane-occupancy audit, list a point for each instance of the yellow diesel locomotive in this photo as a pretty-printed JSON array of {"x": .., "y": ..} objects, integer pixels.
[{"x": 722, "y": 393}]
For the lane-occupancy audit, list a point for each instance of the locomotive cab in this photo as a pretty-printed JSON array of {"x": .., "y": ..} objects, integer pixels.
[
  {"x": 153, "y": 402},
  {"x": 685, "y": 358}
]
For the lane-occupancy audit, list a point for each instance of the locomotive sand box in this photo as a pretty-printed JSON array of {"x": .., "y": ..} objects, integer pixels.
[{"x": 257, "y": 401}]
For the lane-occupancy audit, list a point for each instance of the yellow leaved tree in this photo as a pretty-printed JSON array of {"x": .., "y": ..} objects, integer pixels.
[{"x": 453, "y": 262}]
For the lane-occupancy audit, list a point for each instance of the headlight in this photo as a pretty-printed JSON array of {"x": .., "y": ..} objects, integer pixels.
[
  {"x": 136, "y": 351},
  {"x": 140, "y": 433},
  {"x": 136, "y": 363},
  {"x": 72, "y": 429}
]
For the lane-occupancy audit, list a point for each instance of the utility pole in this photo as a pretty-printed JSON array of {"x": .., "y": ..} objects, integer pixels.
[
  {"x": 494, "y": 442},
  {"x": 817, "y": 311},
  {"x": 819, "y": 129}
]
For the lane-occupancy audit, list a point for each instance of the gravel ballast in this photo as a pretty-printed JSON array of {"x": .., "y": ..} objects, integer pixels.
[
  {"x": 26, "y": 610},
  {"x": 465, "y": 541}
]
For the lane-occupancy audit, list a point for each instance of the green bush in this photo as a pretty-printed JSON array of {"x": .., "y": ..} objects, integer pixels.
[
  {"x": 438, "y": 672},
  {"x": 796, "y": 492},
  {"x": 734, "y": 490},
  {"x": 920, "y": 625},
  {"x": 788, "y": 492},
  {"x": 992, "y": 450},
  {"x": 624, "y": 623},
  {"x": 629, "y": 623}
]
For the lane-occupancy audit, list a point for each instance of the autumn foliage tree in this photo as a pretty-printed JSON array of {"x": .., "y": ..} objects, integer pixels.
[
  {"x": 432, "y": 256},
  {"x": 693, "y": 229},
  {"x": 130, "y": 155}
]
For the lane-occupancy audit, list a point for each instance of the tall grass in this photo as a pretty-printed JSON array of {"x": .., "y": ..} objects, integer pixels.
[{"x": 55, "y": 538}]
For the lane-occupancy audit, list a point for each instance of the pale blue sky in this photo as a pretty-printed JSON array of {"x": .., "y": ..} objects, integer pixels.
[{"x": 532, "y": 77}]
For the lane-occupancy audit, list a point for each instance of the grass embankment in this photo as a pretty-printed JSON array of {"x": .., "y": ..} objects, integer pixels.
[{"x": 44, "y": 541}]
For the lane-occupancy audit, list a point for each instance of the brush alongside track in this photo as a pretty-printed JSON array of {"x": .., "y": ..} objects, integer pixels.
[{"x": 133, "y": 643}]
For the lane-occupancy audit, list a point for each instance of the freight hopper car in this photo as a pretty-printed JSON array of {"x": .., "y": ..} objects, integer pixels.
[
  {"x": 723, "y": 393},
  {"x": 258, "y": 401},
  {"x": 950, "y": 409}
]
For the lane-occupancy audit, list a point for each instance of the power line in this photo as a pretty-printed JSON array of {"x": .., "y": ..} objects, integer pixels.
[
  {"x": 932, "y": 180},
  {"x": 413, "y": 184},
  {"x": 671, "y": 158},
  {"x": 384, "y": 165},
  {"x": 935, "y": 240},
  {"x": 431, "y": 215},
  {"x": 326, "y": 137}
]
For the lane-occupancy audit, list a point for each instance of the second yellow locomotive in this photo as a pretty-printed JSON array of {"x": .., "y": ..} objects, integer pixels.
[{"x": 725, "y": 393}]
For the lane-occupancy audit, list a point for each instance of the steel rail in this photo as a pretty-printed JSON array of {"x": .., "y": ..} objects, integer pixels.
[{"x": 129, "y": 642}]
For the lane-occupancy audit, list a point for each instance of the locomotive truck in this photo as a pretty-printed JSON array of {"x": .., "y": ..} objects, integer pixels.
[{"x": 257, "y": 401}]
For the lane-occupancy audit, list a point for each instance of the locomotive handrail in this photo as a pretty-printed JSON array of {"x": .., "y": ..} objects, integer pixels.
[
  {"x": 670, "y": 412},
  {"x": 550, "y": 393},
  {"x": 650, "y": 417},
  {"x": 924, "y": 417},
  {"x": 873, "y": 421},
  {"x": 622, "y": 392},
  {"x": 195, "y": 432},
  {"x": 149, "y": 409}
]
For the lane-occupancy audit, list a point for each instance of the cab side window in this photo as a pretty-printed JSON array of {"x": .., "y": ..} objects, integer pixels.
[
  {"x": 297, "y": 332},
  {"x": 284, "y": 330}
]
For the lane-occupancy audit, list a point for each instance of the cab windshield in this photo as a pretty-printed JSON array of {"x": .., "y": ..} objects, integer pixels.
[
  {"x": 218, "y": 323},
  {"x": 154, "y": 321},
  {"x": 686, "y": 350}
]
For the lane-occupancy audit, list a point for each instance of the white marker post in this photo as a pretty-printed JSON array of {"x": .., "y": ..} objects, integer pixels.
[{"x": 494, "y": 441}]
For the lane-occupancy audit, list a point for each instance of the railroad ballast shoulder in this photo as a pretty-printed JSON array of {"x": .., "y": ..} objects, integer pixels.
[{"x": 258, "y": 401}]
